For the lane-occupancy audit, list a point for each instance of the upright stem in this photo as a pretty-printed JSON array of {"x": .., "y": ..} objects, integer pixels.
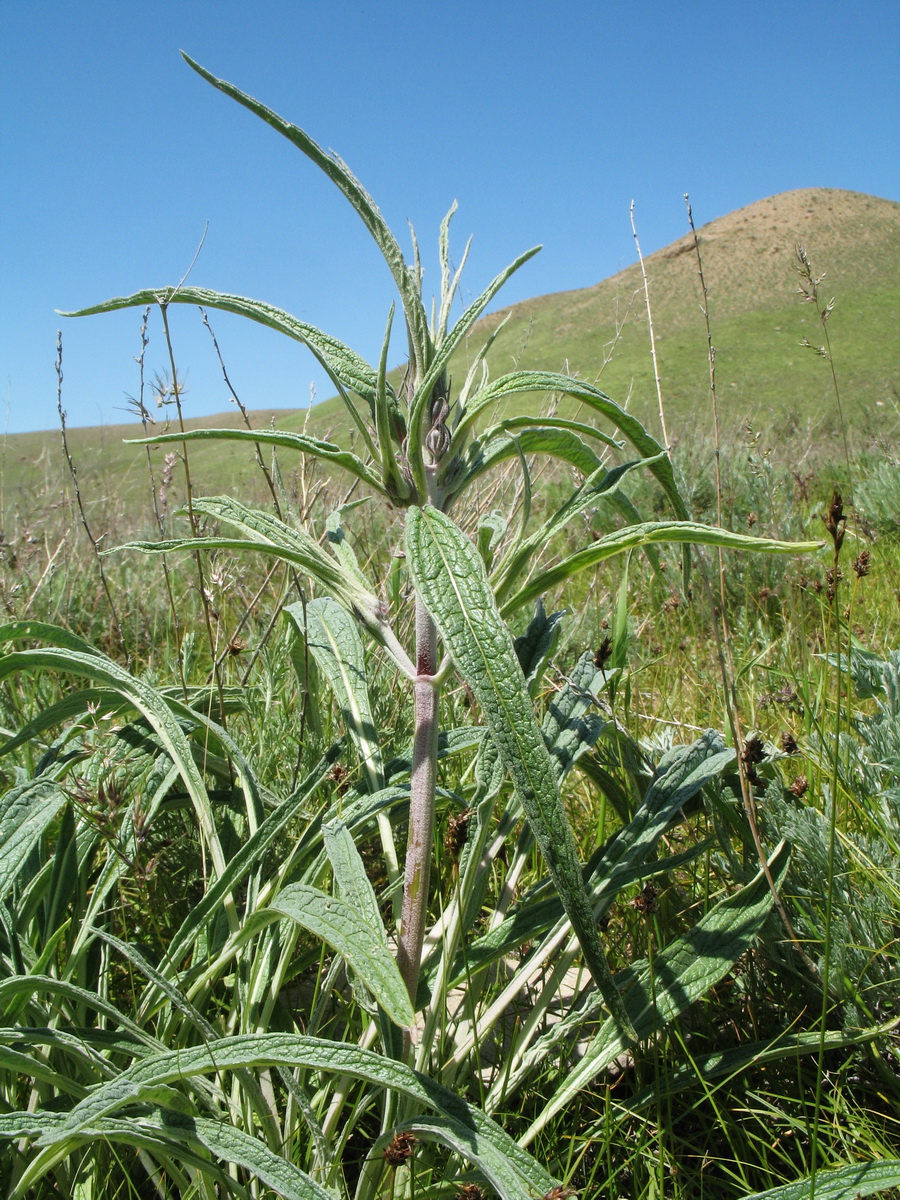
[{"x": 421, "y": 809}]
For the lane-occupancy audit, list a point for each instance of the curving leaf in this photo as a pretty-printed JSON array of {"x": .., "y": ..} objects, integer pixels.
[
  {"x": 343, "y": 927},
  {"x": 842, "y": 1183},
  {"x": 424, "y": 392},
  {"x": 680, "y": 974},
  {"x": 597, "y": 487},
  {"x": 519, "y": 382},
  {"x": 334, "y": 642},
  {"x": 450, "y": 578},
  {"x": 342, "y": 364},
  {"x": 100, "y": 669},
  {"x": 315, "y": 447},
  {"x": 25, "y": 812},
  {"x": 486, "y": 453},
  {"x": 648, "y": 534},
  {"x": 294, "y": 1050},
  {"x": 265, "y": 533}
]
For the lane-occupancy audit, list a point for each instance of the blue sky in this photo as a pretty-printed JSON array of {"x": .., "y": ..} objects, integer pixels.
[{"x": 544, "y": 120}]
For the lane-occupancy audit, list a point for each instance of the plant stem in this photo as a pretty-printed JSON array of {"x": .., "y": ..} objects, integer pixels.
[{"x": 421, "y": 809}]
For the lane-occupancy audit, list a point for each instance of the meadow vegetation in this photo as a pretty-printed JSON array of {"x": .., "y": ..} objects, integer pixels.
[{"x": 420, "y": 820}]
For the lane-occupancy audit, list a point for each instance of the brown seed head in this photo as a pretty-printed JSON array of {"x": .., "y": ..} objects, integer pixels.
[
  {"x": 400, "y": 1149},
  {"x": 835, "y": 520}
]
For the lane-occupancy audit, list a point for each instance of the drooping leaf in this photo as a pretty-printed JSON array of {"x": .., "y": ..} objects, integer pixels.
[
  {"x": 341, "y": 363},
  {"x": 841, "y": 1183},
  {"x": 292, "y": 1050},
  {"x": 334, "y": 641},
  {"x": 25, "y": 813},
  {"x": 100, "y": 669},
  {"x": 486, "y": 453},
  {"x": 315, "y": 447},
  {"x": 520, "y": 382},
  {"x": 681, "y": 973}
]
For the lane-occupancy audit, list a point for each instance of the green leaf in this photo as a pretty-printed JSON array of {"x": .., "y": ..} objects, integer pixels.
[
  {"x": 265, "y": 533},
  {"x": 149, "y": 703},
  {"x": 842, "y": 1183},
  {"x": 350, "y": 875},
  {"x": 292, "y": 1050},
  {"x": 547, "y": 381},
  {"x": 486, "y": 453},
  {"x": 648, "y": 534},
  {"x": 40, "y": 631},
  {"x": 25, "y": 812},
  {"x": 344, "y": 366},
  {"x": 451, "y": 580},
  {"x": 341, "y": 176},
  {"x": 334, "y": 642},
  {"x": 597, "y": 487},
  {"x": 327, "y": 451},
  {"x": 346, "y": 930},
  {"x": 424, "y": 391},
  {"x": 390, "y": 425},
  {"x": 250, "y": 853}
]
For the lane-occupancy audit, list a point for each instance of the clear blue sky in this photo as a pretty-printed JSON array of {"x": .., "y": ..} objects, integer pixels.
[{"x": 543, "y": 119}]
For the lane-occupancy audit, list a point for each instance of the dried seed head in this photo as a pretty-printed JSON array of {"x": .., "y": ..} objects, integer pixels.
[
  {"x": 338, "y": 776},
  {"x": 400, "y": 1150},
  {"x": 862, "y": 563},
  {"x": 603, "y": 653},
  {"x": 754, "y": 751},
  {"x": 470, "y": 1191},
  {"x": 835, "y": 520},
  {"x": 457, "y": 833},
  {"x": 646, "y": 902},
  {"x": 789, "y": 743}
]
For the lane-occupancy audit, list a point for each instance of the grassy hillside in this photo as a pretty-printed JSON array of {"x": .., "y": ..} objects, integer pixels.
[{"x": 600, "y": 333}]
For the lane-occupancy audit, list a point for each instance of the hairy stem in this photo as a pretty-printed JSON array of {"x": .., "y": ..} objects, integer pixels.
[{"x": 421, "y": 810}]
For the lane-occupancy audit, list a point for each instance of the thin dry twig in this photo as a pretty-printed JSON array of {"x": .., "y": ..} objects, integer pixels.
[{"x": 95, "y": 544}]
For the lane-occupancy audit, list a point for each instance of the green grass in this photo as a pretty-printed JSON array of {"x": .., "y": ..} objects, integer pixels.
[{"x": 673, "y": 1115}]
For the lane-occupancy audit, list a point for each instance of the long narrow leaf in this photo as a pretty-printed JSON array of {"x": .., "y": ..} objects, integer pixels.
[
  {"x": 25, "y": 812},
  {"x": 547, "y": 381},
  {"x": 450, "y": 577},
  {"x": 649, "y": 534},
  {"x": 843, "y": 1183},
  {"x": 681, "y": 974},
  {"x": 333, "y": 640},
  {"x": 340, "y": 175},
  {"x": 347, "y": 931},
  {"x": 104, "y": 671},
  {"x": 293, "y": 1050},
  {"x": 315, "y": 447},
  {"x": 345, "y": 366},
  {"x": 454, "y": 338}
]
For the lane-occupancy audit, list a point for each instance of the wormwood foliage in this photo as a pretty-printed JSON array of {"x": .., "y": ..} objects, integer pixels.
[{"x": 305, "y": 1021}]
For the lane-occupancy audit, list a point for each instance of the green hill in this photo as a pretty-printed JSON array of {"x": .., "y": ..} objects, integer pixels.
[{"x": 600, "y": 333}]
